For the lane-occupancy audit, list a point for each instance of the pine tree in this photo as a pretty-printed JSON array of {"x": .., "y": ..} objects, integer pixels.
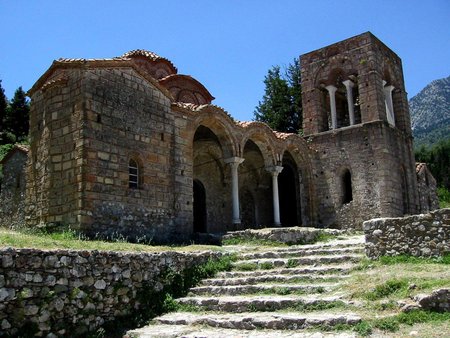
[
  {"x": 281, "y": 106},
  {"x": 17, "y": 115}
]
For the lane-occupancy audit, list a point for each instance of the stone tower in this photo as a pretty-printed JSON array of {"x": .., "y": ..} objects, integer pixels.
[{"x": 356, "y": 118}]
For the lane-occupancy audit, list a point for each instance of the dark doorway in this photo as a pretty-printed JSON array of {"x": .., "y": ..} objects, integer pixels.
[
  {"x": 199, "y": 207},
  {"x": 247, "y": 202},
  {"x": 347, "y": 187},
  {"x": 288, "y": 196}
]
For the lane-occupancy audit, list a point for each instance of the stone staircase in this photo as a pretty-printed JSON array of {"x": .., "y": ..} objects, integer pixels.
[{"x": 271, "y": 292}]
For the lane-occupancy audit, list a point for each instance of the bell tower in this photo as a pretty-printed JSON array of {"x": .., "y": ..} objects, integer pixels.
[{"x": 355, "y": 113}]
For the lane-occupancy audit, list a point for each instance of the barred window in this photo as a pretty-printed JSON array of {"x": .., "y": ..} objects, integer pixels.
[{"x": 133, "y": 174}]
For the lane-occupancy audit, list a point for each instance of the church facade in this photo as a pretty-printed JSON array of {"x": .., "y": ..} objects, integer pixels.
[{"x": 128, "y": 146}]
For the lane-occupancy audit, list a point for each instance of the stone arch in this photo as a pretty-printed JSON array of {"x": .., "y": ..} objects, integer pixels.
[
  {"x": 255, "y": 187},
  {"x": 219, "y": 123},
  {"x": 330, "y": 75},
  {"x": 213, "y": 141},
  {"x": 264, "y": 137}
]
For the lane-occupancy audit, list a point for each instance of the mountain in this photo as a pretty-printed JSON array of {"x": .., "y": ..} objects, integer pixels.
[{"x": 430, "y": 113}]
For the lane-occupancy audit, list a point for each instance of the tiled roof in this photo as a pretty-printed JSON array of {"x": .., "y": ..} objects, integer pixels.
[
  {"x": 23, "y": 147},
  {"x": 145, "y": 53},
  {"x": 420, "y": 166},
  {"x": 18, "y": 147},
  {"x": 142, "y": 52}
]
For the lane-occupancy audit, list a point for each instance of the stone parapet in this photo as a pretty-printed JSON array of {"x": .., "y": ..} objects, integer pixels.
[
  {"x": 63, "y": 293},
  {"x": 424, "y": 235}
]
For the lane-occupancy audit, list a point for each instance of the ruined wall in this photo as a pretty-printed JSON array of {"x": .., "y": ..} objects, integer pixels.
[
  {"x": 70, "y": 293},
  {"x": 425, "y": 235},
  {"x": 12, "y": 190},
  {"x": 427, "y": 189}
]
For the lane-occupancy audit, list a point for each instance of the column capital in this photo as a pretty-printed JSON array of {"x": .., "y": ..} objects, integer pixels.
[
  {"x": 331, "y": 88},
  {"x": 348, "y": 83},
  {"x": 275, "y": 169},
  {"x": 389, "y": 88},
  {"x": 234, "y": 160}
]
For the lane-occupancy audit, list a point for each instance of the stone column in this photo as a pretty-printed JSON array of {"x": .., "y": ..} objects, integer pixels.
[
  {"x": 332, "y": 91},
  {"x": 389, "y": 105},
  {"x": 275, "y": 170},
  {"x": 234, "y": 163},
  {"x": 349, "y": 89}
]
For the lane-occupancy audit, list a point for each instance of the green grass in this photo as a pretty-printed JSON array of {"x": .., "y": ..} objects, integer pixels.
[
  {"x": 70, "y": 239},
  {"x": 246, "y": 267},
  {"x": 386, "y": 289},
  {"x": 291, "y": 263}
]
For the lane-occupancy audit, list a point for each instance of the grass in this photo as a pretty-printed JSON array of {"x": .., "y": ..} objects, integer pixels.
[
  {"x": 379, "y": 285},
  {"x": 252, "y": 242},
  {"x": 69, "y": 239}
]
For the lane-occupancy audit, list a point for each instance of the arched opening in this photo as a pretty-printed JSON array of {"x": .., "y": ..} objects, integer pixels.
[
  {"x": 200, "y": 224},
  {"x": 347, "y": 193},
  {"x": 209, "y": 169},
  {"x": 290, "y": 211},
  {"x": 255, "y": 187}
]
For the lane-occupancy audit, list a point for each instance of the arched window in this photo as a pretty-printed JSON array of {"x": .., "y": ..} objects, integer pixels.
[
  {"x": 133, "y": 174},
  {"x": 347, "y": 194}
]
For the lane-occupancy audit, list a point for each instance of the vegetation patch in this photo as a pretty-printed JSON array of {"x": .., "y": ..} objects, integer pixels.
[
  {"x": 386, "y": 289},
  {"x": 241, "y": 240},
  {"x": 70, "y": 239}
]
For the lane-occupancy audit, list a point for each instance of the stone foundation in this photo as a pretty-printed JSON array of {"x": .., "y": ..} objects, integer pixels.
[
  {"x": 70, "y": 293},
  {"x": 425, "y": 235}
]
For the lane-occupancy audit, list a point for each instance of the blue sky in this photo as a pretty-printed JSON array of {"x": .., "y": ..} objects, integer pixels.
[{"x": 226, "y": 45}]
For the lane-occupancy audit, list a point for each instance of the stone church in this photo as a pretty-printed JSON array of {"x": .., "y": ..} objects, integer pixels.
[{"x": 128, "y": 146}]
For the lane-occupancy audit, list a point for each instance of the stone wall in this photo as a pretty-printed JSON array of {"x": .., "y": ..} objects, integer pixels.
[
  {"x": 69, "y": 293},
  {"x": 427, "y": 187},
  {"x": 425, "y": 235},
  {"x": 12, "y": 189}
]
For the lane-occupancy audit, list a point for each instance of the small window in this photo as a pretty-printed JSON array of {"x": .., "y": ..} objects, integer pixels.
[
  {"x": 347, "y": 187},
  {"x": 133, "y": 174}
]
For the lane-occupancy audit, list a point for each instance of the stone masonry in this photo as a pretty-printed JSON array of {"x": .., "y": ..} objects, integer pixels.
[
  {"x": 62, "y": 293},
  {"x": 128, "y": 147},
  {"x": 425, "y": 235},
  {"x": 12, "y": 188}
]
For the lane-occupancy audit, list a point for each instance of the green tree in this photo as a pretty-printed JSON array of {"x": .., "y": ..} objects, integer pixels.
[
  {"x": 3, "y": 105},
  {"x": 438, "y": 160},
  {"x": 281, "y": 106},
  {"x": 17, "y": 115}
]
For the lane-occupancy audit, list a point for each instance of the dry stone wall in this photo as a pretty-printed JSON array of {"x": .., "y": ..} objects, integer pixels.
[
  {"x": 425, "y": 235},
  {"x": 64, "y": 293}
]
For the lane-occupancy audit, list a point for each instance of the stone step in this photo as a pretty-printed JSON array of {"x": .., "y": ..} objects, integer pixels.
[
  {"x": 272, "y": 278},
  {"x": 194, "y": 331},
  {"x": 298, "y": 271},
  {"x": 239, "y": 304},
  {"x": 270, "y": 263},
  {"x": 301, "y": 252},
  {"x": 277, "y": 289},
  {"x": 260, "y": 320},
  {"x": 353, "y": 241}
]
